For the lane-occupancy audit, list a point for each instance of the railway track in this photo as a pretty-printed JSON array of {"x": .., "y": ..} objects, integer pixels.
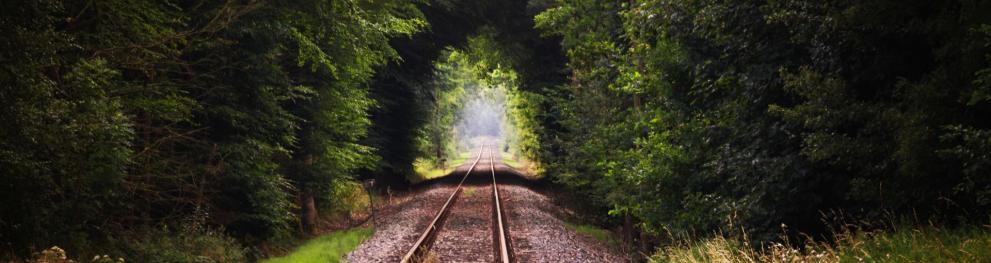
[{"x": 501, "y": 251}]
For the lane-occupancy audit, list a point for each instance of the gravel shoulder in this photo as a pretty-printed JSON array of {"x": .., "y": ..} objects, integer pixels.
[{"x": 399, "y": 224}]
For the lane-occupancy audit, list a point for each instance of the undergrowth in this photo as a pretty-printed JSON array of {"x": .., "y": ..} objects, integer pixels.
[
  {"x": 915, "y": 244},
  {"x": 153, "y": 245}
]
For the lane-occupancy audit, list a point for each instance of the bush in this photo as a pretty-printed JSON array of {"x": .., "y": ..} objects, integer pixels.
[
  {"x": 187, "y": 245},
  {"x": 192, "y": 244}
]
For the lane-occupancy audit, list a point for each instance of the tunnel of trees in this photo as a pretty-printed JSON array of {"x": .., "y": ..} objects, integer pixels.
[
  {"x": 155, "y": 129},
  {"x": 406, "y": 89}
]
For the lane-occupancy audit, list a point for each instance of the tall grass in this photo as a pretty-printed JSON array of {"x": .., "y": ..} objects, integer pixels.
[{"x": 918, "y": 244}]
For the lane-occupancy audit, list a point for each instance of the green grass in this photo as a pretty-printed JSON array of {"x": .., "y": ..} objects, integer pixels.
[
  {"x": 530, "y": 169},
  {"x": 425, "y": 170},
  {"x": 508, "y": 160},
  {"x": 605, "y": 236},
  {"x": 460, "y": 159},
  {"x": 918, "y": 244},
  {"x": 327, "y": 248}
]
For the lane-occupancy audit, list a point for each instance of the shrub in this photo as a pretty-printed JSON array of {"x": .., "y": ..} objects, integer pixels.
[{"x": 187, "y": 245}]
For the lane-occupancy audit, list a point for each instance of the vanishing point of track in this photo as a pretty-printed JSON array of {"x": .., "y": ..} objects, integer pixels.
[{"x": 420, "y": 250}]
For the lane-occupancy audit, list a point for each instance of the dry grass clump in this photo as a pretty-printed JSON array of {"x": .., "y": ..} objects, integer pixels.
[
  {"x": 918, "y": 244},
  {"x": 722, "y": 249}
]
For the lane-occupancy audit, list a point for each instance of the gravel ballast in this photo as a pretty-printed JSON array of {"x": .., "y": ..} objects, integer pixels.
[{"x": 537, "y": 233}]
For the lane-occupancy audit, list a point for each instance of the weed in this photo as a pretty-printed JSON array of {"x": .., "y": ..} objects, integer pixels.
[{"x": 468, "y": 192}]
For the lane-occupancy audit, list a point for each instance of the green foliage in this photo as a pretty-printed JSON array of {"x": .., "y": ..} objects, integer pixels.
[
  {"x": 524, "y": 111},
  {"x": 483, "y": 72},
  {"x": 126, "y": 114},
  {"x": 683, "y": 116},
  {"x": 345, "y": 197},
  {"x": 407, "y": 91},
  {"x": 696, "y": 117},
  {"x": 437, "y": 144},
  {"x": 66, "y": 150},
  {"x": 190, "y": 245}
]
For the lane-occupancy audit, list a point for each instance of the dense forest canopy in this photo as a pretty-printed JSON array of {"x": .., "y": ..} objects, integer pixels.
[
  {"x": 405, "y": 89},
  {"x": 477, "y": 93},
  {"x": 691, "y": 116},
  {"x": 227, "y": 122},
  {"x": 160, "y": 129}
]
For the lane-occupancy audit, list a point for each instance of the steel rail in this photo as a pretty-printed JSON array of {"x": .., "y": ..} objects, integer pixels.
[
  {"x": 503, "y": 243},
  {"x": 419, "y": 248}
]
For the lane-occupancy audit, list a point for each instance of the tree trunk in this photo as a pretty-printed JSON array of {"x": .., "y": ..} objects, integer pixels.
[
  {"x": 440, "y": 152},
  {"x": 308, "y": 215},
  {"x": 628, "y": 231},
  {"x": 645, "y": 242}
]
